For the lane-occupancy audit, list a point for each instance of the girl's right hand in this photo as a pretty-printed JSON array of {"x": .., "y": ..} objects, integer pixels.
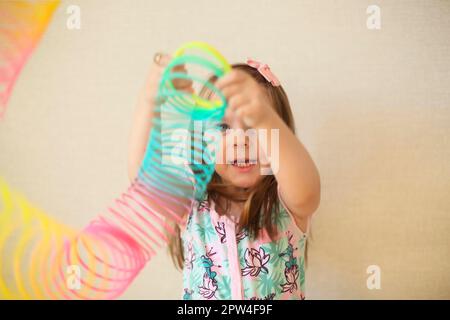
[{"x": 160, "y": 61}]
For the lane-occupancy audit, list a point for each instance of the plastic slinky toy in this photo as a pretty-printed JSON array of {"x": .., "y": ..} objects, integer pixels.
[{"x": 41, "y": 258}]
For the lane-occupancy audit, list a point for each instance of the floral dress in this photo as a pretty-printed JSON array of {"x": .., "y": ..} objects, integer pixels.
[{"x": 221, "y": 263}]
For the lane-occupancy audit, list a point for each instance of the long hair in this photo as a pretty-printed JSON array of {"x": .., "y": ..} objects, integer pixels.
[{"x": 261, "y": 203}]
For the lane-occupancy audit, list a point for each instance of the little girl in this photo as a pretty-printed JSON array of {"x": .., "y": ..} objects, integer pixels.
[{"x": 247, "y": 238}]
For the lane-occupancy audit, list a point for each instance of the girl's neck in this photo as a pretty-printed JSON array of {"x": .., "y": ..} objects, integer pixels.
[{"x": 234, "y": 206}]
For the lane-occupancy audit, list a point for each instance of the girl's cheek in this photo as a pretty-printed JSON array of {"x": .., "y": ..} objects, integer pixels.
[
  {"x": 221, "y": 154},
  {"x": 226, "y": 155},
  {"x": 221, "y": 170}
]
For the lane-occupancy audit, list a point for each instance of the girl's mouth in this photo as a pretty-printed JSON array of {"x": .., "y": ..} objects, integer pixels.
[{"x": 243, "y": 165}]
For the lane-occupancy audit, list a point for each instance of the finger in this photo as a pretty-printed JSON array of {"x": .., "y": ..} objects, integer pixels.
[
  {"x": 231, "y": 90},
  {"x": 245, "y": 121},
  {"x": 229, "y": 114},
  {"x": 237, "y": 101},
  {"x": 181, "y": 83},
  {"x": 189, "y": 90},
  {"x": 231, "y": 110},
  {"x": 179, "y": 68},
  {"x": 161, "y": 59},
  {"x": 233, "y": 77},
  {"x": 236, "y": 116}
]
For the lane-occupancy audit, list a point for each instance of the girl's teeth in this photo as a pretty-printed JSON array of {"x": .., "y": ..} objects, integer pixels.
[{"x": 243, "y": 164}]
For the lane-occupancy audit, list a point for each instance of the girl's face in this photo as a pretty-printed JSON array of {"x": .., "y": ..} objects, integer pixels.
[{"x": 238, "y": 163}]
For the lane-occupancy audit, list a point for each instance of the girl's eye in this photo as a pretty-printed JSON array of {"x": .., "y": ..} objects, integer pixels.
[{"x": 223, "y": 127}]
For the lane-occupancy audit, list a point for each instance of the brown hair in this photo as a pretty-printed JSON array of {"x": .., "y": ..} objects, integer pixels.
[{"x": 261, "y": 203}]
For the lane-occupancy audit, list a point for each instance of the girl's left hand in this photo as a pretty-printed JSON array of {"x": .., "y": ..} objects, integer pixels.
[{"x": 246, "y": 98}]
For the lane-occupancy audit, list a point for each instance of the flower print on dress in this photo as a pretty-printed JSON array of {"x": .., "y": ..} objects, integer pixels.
[
  {"x": 209, "y": 285},
  {"x": 291, "y": 271},
  {"x": 220, "y": 229},
  {"x": 187, "y": 294},
  {"x": 270, "y": 296},
  {"x": 275, "y": 271},
  {"x": 208, "y": 288},
  {"x": 291, "y": 275},
  {"x": 255, "y": 261},
  {"x": 190, "y": 257},
  {"x": 203, "y": 206},
  {"x": 208, "y": 263},
  {"x": 241, "y": 235},
  {"x": 189, "y": 218},
  {"x": 288, "y": 254}
]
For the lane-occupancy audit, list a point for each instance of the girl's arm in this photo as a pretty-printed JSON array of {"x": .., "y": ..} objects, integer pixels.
[
  {"x": 142, "y": 119},
  {"x": 297, "y": 175},
  {"x": 143, "y": 114},
  {"x": 139, "y": 136},
  {"x": 140, "y": 130}
]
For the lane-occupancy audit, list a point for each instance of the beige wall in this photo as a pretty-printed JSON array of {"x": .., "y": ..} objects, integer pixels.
[{"x": 373, "y": 108}]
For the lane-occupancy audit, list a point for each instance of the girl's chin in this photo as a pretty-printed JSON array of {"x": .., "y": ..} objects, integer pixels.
[{"x": 244, "y": 182}]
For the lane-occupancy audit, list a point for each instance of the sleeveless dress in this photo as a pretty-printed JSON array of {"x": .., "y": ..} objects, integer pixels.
[{"x": 221, "y": 263}]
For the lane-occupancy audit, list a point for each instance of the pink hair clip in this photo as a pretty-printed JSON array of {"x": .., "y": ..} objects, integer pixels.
[{"x": 265, "y": 71}]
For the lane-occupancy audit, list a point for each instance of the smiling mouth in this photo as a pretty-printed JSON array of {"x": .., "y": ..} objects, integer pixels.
[{"x": 243, "y": 163}]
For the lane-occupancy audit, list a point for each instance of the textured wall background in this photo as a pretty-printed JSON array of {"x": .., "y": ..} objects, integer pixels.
[{"x": 372, "y": 106}]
